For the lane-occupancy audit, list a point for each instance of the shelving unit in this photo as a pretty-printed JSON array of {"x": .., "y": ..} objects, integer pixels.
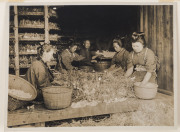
[{"x": 31, "y": 26}]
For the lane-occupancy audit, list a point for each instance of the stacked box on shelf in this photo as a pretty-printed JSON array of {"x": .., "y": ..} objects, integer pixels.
[{"x": 31, "y": 31}]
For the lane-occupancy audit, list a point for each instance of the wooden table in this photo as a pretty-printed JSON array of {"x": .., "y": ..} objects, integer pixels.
[{"x": 40, "y": 114}]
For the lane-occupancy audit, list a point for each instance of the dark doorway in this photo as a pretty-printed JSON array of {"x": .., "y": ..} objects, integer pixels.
[{"x": 100, "y": 23}]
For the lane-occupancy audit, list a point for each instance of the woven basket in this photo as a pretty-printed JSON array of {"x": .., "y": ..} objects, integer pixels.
[
  {"x": 18, "y": 83},
  {"x": 15, "y": 99},
  {"x": 101, "y": 65},
  {"x": 14, "y": 104},
  {"x": 56, "y": 97},
  {"x": 147, "y": 92}
]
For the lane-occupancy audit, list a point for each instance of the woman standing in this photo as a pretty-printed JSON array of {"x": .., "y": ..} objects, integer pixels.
[
  {"x": 67, "y": 57},
  {"x": 141, "y": 62},
  {"x": 39, "y": 74},
  {"x": 120, "y": 58}
]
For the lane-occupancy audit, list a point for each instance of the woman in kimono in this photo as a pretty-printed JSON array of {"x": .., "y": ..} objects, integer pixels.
[
  {"x": 121, "y": 56},
  {"x": 141, "y": 62},
  {"x": 85, "y": 52},
  {"x": 39, "y": 74},
  {"x": 67, "y": 57}
]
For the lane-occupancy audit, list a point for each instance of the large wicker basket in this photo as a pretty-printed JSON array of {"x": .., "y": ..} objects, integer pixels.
[
  {"x": 15, "y": 99},
  {"x": 147, "y": 92},
  {"x": 56, "y": 97}
]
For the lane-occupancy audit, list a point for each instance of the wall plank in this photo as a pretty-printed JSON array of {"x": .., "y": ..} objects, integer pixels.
[{"x": 158, "y": 27}]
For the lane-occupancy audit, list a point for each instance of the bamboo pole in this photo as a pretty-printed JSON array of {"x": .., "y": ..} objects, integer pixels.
[
  {"x": 16, "y": 46},
  {"x": 46, "y": 19}
]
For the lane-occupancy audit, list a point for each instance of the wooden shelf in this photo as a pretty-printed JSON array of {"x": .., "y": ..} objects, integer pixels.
[
  {"x": 31, "y": 14},
  {"x": 37, "y": 39},
  {"x": 28, "y": 39},
  {"x": 22, "y": 38},
  {"x": 21, "y": 66},
  {"x": 25, "y": 66},
  {"x": 53, "y": 39},
  {"x": 27, "y": 53},
  {"x": 54, "y": 29},
  {"x": 39, "y": 27},
  {"x": 28, "y": 26}
]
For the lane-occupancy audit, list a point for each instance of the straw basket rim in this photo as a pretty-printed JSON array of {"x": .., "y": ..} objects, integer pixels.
[
  {"x": 136, "y": 85},
  {"x": 34, "y": 95},
  {"x": 44, "y": 89}
]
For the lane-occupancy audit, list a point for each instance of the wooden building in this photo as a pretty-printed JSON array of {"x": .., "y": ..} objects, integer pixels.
[{"x": 155, "y": 20}]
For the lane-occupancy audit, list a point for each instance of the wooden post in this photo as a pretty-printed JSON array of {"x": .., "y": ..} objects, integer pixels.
[
  {"x": 141, "y": 19},
  {"x": 16, "y": 46},
  {"x": 154, "y": 30},
  {"x": 46, "y": 19},
  {"x": 146, "y": 23}
]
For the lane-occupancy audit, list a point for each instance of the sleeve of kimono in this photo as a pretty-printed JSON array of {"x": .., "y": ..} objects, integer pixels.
[
  {"x": 113, "y": 59},
  {"x": 129, "y": 61},
  {"x": 126, "y": 56},
  {"x": 150, "y": 61},
  {"x": 82, "y": 53},
  {"x": 31, "y": 77},
  {"x": 41, "y": 74},
  {"x": 78, "y": 57},
  {"x": 66, "y": 60}
]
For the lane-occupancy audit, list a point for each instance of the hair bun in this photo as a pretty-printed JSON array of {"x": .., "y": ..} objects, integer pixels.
[{"x": 137, "y": 35}]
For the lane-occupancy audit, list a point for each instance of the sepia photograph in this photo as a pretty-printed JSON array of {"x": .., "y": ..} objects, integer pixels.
[{"x": 91, "y": 65}]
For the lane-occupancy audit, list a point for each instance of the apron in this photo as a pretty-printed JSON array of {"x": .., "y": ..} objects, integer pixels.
[{"x": 140, "y": 71}]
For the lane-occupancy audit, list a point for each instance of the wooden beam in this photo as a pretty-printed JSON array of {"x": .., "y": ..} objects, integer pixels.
[
  {"x": 16, "y": 45},
  {"x": 165, "y": 92},
  {"x": 41, "y": 114},
  {"x": 46, "y": 20}
]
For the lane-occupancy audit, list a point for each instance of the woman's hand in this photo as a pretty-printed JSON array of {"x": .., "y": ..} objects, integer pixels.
[
  {"x": 94, "y": 57},
  {"x": 56, "y": 83},
  {"x": 146, "y": 78},
  {"x": 129, "y": 72}
]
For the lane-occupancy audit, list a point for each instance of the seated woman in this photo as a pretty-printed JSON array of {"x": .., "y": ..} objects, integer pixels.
[
  {"x": 141, "y": 62},
  {"x": 120, "y": 58},
  {"x": 85, "y": 52},
  {"x": 39, "y": 74},
  {"x": 67, "y": 57}
]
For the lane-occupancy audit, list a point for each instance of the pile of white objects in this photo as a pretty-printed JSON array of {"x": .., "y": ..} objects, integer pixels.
[{"x": 19, "y": 93}]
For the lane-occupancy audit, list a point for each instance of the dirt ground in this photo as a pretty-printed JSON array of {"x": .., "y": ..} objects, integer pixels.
[{"x": 156, "y": 112}]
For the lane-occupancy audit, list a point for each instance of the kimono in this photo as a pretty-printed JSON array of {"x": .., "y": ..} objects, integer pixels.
[
  {"x": 66, "y": 58},
  {"x": 143, "y": 62},
  {"x": 39, "y": 76},
  {"x": 87, "y": 54},
  {"x": 120, "y": 59}
]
